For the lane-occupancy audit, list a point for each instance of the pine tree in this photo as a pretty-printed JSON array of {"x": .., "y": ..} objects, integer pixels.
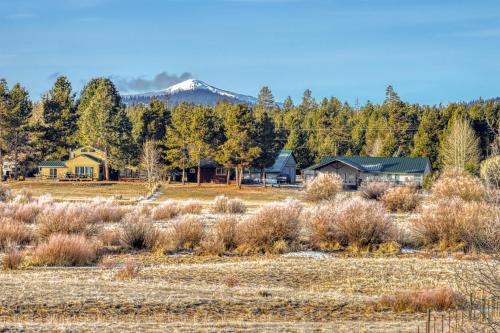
[
  {"x": 426, "y": 139},
  {"x": 15, "y": 112},
  {"x": 103, "y": 123},
  {"x": 240, "y": 148},
  {"x": 59, "y": 120}
]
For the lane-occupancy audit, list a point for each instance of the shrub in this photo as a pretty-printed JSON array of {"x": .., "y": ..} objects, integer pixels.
[
  {"x": 13, "y": 233},
  {"x": 165, "y": 211},
  {"x": 105, "y": 210},
  {"x": 490, "y": 170},
  {"x": 129, "y": 271},
  {"x": 454, "y": 222},
  {"x": 22, "y": 196},
  {"x": 436, "y": 299},
  {"x": 5, "y": 194},
  {"x": 64, "y": 218},
  {"x": 109, "y": 237},
  {"x": 65, "y": 250},
  {"x": 12, "y": 260},
  {"x": 457, "y": 183},
  {"x": 26, "y": 213},
  {"x": 187, "y": 233},
  {"x": 190, "y": 207},
  {"x": 401, "y": 199},
  {"x": 325, "y": 186},
  {"x": 271, "y": 223},
  {"x": 351, "y": 221},
  {"x": 374, "y": 190},
  {"x": 223, "y": 204},
  {"x": 222, "y": 237},
  {"x": 139, "y": 233}
]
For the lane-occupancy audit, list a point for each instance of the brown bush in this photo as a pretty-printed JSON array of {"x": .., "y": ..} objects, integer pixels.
[
  {"x": 325, "y": 186},
  {"x": 222, "y": 237},
  {"x": 456, "y": 183},
  {"x": 223, "y": 204},
  {"x": 65, "y": 250},
  {"x": 130, "y": 270},
  {"x": 26, "y": 213},
  {"x": 419, "y": 301},
  {"x": 351, "y": 221},
  {"x": 109, "y": 237},
  {"x": 165, "y": 211},
  {"x": 5, "y": 194},
  {"x": 65, "y": 218},
  {"x": 271, "y": 223},
  {"x": 190, "y": 207},
  {"x": 139, "y": 233},
  {"x": 22, "y": 196},
  {"x": 455, "y": 223},
  {"x": 105, "y": 210},
  {"x": 13, "y": 233},
  {"x": 187, "y": 233},
  {"x": 401, "y": 199},
  {"x": 12, "y": 260},
  {"x": 374, "y": 190}
]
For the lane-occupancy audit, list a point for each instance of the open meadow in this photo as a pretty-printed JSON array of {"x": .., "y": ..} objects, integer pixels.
[{"x": 257, "y": 260}]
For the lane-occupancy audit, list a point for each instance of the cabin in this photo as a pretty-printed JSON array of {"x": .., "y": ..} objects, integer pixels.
[
  {"x": 84, "y": 163},
  {"x": 356, "y": 170},
  {"x": 210, "y": 172}
]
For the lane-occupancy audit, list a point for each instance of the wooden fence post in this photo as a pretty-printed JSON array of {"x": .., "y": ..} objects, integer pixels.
[{"x": 428, "y": 323}]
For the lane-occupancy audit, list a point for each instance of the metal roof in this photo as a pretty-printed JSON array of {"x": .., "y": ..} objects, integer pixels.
[
  {"x": 52, "y": 164},
  {"x": 280, "y": 161},
  {"x": 378, "y": 164}
]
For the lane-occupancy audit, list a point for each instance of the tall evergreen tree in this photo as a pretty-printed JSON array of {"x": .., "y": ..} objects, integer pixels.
[
  {"x": 59, "y": 121},
  {"x": 15, "y": 112},
  {"x": 103, "y": 123}
]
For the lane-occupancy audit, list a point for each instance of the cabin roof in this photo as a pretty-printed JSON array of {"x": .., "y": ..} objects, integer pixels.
[
  {"x": 371, "y": 164},
  {"x": 280, "y": 162},
  {"x": 52, "y": 164}
]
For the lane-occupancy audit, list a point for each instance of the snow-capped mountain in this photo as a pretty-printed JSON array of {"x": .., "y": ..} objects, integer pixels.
[{"x": 192, "y": 90}]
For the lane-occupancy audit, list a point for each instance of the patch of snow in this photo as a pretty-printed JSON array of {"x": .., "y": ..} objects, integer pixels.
[
  {"x": 409, "y": 250},
  {"x": 307, "y": 254}
]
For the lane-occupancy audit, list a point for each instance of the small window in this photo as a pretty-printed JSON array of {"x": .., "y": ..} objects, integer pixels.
[
  {"x": 220, "y": 171},
  {"x": 192, "y": 170},
  {"x": 53, "y": 173}
]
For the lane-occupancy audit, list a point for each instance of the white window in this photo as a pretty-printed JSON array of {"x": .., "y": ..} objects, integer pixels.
[
  {"x": 53, "y": 173},
  {"x": 220, "y": 172},
  {"x": 192, "y": 170}
]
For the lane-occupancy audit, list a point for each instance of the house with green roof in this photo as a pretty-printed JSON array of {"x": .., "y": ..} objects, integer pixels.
[
  {"x": 356, "y": 170},
  {"x": 84, "y": 163}
]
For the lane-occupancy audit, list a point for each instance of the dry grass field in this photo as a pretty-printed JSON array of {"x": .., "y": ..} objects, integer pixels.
[
  {"x": 82, "y": 190},
  {"x": 192, "y": 293}
]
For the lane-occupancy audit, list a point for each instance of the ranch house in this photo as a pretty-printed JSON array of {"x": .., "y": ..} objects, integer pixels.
[
  {"x": 356, "y": 170},
  {"x": 84, "y": 163}
]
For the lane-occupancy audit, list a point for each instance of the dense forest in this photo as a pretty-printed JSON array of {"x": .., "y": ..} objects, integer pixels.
[{"x": 236, "y": 135}]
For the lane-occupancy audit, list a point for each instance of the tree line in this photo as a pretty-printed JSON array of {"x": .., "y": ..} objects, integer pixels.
[{"x": 239, "y": 136}]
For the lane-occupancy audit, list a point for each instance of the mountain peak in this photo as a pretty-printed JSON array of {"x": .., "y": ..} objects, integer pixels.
[{"x": 192, "y": 90}]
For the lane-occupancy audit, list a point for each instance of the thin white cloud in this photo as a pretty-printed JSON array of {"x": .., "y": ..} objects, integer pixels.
[
  {"x": 21, "y": 16},
  {"x": 481, "y": 33}
]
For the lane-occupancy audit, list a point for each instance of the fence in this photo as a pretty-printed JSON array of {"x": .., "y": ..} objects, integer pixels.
[{"x": 477, "y": 311}]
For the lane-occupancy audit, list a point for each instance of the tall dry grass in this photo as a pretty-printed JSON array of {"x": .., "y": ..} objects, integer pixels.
[
  {"x": 12, "y": 260},
  {"x": 13, "y": 233},
  {"x": 222, "y": 236},
  {"x": 272, "y": 223},
  {"x": 458, "y": 183},
  {"x": 325, "y": 186},
  {"x": 418, "y": 301},
  {"x": 223, "y": 204},
  {"x": 187, "y": 233},
  {"x": 401, "y": 199},
  {"x": 170, "y": 209},
  {"x": 65, "y": 218},
  {"x": 453, "y": 223},
  {"x": 374, "y": 190},
  {"x": 65, "y": 250},
  {"x": 139, "y": 233},
  {"x": 350, "y": 221}
]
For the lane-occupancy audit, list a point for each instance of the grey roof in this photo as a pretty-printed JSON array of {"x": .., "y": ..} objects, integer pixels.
[
  {"x": 378, "y": 164},
  {"x": 52, "y": 164},
  {"x": 280, "y": 161}
]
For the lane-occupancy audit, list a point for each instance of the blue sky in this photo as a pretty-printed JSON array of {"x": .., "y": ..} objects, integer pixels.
[{"x": 430, "y": 51}]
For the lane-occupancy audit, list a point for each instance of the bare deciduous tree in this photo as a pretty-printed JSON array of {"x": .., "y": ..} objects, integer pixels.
[
  {"x": 461, "y": 147},
  {"x": 151, "y": 163}
]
